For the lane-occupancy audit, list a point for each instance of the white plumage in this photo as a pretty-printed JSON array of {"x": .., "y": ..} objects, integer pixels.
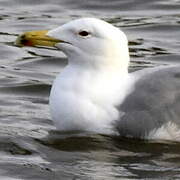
[
  {"x": 84, "y": 95},
  {"x": 96, "y": 93}
]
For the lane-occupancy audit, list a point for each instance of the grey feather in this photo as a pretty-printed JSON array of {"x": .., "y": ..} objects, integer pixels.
[{"x": 154, "y": 102}]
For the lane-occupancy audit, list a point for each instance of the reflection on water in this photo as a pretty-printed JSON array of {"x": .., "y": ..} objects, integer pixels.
[{"x": 30, "y": 148}]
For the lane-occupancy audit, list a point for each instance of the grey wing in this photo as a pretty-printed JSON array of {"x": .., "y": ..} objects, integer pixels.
[{"x": 154, "y": 102}]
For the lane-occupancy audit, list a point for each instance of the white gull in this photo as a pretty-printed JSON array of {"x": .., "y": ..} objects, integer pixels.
[{"x": 96, "y": 93}]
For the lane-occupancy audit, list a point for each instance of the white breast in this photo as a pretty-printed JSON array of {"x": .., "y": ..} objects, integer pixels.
[{"x": 81, "y": 101}]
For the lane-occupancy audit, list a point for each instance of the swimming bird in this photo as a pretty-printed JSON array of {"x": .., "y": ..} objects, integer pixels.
[{"x": 96, "y": 93}]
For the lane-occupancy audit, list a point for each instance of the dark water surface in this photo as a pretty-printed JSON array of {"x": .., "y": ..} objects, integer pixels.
[{"x": 30, "y": 148}]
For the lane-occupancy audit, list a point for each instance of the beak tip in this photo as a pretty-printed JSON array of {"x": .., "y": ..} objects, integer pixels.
[{"x": 22, "y": 40}]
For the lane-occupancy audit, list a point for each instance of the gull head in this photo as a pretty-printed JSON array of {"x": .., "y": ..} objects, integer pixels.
[{"x": 86, "y": 41}]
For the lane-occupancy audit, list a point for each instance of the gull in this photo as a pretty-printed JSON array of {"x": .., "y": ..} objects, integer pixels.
[{"x": 95, "y": 92}]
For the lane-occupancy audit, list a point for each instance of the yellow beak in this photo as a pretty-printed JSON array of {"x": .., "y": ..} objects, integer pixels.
[{"x": 36, "y": 38}]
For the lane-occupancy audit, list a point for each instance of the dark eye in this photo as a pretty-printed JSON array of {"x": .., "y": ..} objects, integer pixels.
[{"x": 84, "y": 33}]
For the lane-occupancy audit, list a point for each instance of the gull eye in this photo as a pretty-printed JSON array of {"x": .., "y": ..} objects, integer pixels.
[{"x": 84, "y": 33}]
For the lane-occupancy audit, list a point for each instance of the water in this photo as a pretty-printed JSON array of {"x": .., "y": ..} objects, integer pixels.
[{"x": 30, "y": 148}]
